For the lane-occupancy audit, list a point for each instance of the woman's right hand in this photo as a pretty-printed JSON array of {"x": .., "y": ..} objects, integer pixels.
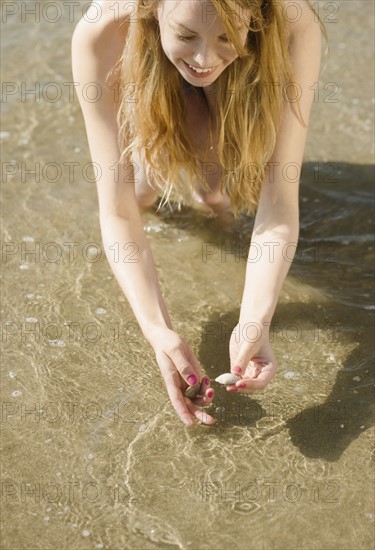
[{"x": 180, "y": 369}]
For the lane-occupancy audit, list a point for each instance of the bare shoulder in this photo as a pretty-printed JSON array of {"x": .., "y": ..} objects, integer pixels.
[
  {"x": 113, "y": 11},
  {"x": 299, "y": 15},
  {"x": 99, "y": 38},
  {"x": 106, "y": 18}
]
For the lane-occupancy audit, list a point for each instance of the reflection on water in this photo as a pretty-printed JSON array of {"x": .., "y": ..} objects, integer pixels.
[{"x": 93, "y": 455}]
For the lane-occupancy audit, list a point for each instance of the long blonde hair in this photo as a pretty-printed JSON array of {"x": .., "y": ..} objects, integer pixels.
[{"x": 250, "y": 95}]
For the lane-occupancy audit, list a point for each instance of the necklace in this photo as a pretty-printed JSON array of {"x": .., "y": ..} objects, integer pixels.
[{"x": 211, "y": 147}]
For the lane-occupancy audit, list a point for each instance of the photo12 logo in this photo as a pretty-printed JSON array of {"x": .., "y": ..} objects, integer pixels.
[{"x": 271, "y": 491}]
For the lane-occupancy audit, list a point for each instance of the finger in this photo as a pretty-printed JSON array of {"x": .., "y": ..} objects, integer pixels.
[
  {"x": 202, "y": 416},
  {"x": 242, "y": 360},
  {"x": 195, "y": 364},
  {"x": 185, "y": 368},
  {"x": 259, "y": 383},
  {"x": 180, "y": 406},
  {"x": 205, "y": 399},
  {"x": 205, "y": 384},
  {"x": 253, "y": 369},
  {"x": 199, "y": 389},
  {"x": 171, "y": 379},
  {"x": 205, "y": 393}
]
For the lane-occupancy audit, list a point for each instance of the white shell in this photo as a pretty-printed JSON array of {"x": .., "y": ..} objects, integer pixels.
[{"x": 227, "y": 378}]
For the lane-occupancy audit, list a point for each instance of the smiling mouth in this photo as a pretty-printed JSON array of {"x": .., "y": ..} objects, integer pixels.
[{"x": 199, "y": 71}]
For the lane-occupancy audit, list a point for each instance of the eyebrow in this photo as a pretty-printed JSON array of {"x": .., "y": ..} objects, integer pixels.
[{"x": 181, "y": 26}]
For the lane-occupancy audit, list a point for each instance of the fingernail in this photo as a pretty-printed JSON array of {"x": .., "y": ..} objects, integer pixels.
[
  {"x": 232, "y": 389},
  {"x": 237, "y": 369},
  {"x": 210, "y": 393},
  {"x": 206, "y": 380},
  {"x": 192, "y": 380},
  {"x": 242, "y": 385}
]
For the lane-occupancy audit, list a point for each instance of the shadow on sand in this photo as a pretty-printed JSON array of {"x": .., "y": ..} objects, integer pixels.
[{"x": 336, "y": 208}]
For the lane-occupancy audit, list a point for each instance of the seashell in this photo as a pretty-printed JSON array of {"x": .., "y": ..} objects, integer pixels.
[
  {"x": 192, "y": 391},
  {"x": 227, "y": 378}
]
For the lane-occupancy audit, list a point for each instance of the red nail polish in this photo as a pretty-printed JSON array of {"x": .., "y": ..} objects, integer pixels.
[
  {"x": 206, "y": 380},
  {"x": 237, "y": 369},
  {"x": 210, "y": 393},
  {"x": 242, "y": 385},
  {"x": 192, "y": 380}
]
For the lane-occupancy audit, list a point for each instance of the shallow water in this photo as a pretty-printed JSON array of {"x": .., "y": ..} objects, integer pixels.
[{"x": 93, "y": 454}]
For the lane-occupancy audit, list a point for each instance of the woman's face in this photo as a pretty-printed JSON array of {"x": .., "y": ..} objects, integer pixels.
[{"x": 194, "y": 39}]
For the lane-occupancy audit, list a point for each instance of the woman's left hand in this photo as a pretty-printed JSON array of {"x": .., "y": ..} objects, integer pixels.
[{"x": 251, "y": 358}]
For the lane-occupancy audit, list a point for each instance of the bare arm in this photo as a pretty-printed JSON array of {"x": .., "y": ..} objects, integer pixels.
[
  {"x": 95, "y": 50},
  {"x": 125, "y": 243},
  {"x": 276, "y": 227}
]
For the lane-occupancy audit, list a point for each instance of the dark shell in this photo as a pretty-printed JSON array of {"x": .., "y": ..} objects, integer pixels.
[{"x": 192, "y": 391}]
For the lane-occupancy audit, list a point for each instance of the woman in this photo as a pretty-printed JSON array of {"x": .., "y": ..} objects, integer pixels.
[{"x": 211, "y": 98}]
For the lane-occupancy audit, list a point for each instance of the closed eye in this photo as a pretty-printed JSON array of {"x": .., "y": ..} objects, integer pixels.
[
  {"x": 188, "y": 38},
  {"x": 184, "y": 38}
]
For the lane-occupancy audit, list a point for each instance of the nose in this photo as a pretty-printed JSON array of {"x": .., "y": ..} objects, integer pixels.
[{"x": 204, "y": 57}]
